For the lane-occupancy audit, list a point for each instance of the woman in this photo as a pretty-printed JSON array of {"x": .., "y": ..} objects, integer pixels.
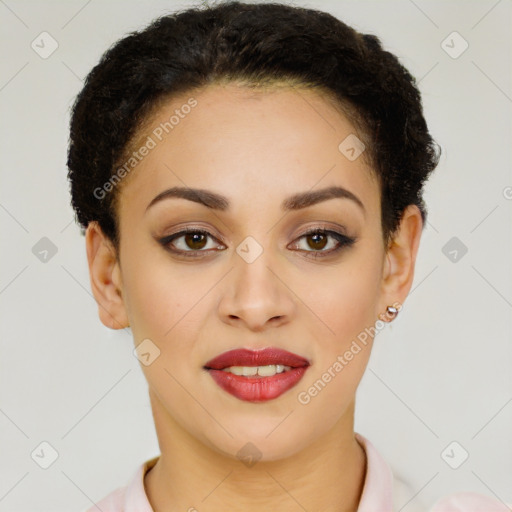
[{"x": 249, "y": 179}]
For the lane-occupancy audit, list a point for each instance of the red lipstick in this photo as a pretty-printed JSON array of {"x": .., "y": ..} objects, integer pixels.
[{"x": 257, "y": 388}]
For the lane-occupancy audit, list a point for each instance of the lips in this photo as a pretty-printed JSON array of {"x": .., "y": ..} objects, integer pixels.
[
  {"x": 264, "y": 357},
  {"x": 257, "y": 388}
]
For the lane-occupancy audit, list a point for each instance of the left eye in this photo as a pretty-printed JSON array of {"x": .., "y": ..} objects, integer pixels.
[{"x": 318, "y": 239}]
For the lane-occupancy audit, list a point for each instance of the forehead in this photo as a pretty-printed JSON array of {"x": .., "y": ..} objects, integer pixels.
[{"x": 268, "y": 143}]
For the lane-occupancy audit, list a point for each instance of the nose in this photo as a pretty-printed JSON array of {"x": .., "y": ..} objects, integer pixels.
[{"x": 256, "y": 294}]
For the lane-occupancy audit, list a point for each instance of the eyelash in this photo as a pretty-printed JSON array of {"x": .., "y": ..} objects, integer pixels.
[{"x": 343, "y": 241}]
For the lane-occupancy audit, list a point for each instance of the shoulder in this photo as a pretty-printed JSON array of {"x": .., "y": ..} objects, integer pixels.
[
  {"x": 114, "y": 502},
  {"x": 130, "y": 498},
  {"x": 456, "y": 502},
  {"x": 469, "y": 502}
]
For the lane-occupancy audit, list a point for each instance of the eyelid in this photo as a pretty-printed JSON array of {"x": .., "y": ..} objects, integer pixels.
[
  {"x": 181, "y": 230},
  {"x": 167, "y": 239},
  {"x": 325, "y": 227}
]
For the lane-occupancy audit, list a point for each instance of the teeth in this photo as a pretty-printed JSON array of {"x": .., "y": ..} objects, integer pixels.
[{"x": 261, "y": 371}]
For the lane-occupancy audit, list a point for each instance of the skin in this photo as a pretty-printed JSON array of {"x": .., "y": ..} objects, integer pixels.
[{"x": 255, "y": 148}]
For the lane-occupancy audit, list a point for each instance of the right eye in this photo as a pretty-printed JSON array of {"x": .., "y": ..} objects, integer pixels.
[{"x": 193, "y": 242}]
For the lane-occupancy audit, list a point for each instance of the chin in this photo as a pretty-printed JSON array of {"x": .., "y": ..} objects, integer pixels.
[{"x": 262, "y": 441}]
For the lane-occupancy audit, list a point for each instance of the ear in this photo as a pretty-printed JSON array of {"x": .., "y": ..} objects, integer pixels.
[
  {"x": 105, "y": 277},
  {"x": 400, "y": 259}
]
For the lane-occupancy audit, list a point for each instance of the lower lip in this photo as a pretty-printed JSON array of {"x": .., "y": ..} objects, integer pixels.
[{"x": 258, "y": 389}]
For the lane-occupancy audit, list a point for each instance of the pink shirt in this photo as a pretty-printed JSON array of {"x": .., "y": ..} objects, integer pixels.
[{"x": 381, "y": 492}]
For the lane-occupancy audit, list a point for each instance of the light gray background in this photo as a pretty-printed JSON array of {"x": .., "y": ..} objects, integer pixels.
[{"x": 440, "y": 373}]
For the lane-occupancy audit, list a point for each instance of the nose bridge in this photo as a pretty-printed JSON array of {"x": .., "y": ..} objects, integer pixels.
[
  {"x": 255, "y": 293},
  {"x": 254, "y": 270}
]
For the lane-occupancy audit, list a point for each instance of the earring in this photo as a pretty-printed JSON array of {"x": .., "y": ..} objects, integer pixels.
[{"x": 390, "y": 314}]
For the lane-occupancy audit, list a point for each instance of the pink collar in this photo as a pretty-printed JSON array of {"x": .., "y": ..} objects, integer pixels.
[{"x": 376, "y": 495}]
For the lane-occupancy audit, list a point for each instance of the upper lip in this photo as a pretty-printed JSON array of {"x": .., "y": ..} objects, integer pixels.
[{"x": 262, "y": 357}]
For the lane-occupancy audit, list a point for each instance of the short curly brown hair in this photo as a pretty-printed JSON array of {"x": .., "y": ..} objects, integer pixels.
[{"x": 256, "y": 44}]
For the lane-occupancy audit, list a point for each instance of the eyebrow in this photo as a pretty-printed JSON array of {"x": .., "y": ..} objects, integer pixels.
[{"x": 216, "y": 201}]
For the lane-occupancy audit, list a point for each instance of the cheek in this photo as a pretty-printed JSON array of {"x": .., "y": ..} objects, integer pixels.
[
  {"x": 169, "y": 305},
  {"x": 344, "y": 301},
  {"x": 166, "y": 308},
  {"x": 154, "y": 306},
  {"x": 160, "y": 295}
]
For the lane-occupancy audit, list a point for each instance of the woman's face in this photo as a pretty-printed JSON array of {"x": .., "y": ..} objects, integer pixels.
[{"x": 263, "y": 161}]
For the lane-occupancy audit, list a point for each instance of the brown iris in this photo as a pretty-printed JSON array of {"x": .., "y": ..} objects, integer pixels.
[
  {"x": 195, "y": 241},
  {"x": 320, "y": 240}
]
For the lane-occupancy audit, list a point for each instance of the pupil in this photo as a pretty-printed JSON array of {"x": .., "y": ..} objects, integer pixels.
[
  {"x": 322, "y": 245},
  {"x": 193, "y": 239}
]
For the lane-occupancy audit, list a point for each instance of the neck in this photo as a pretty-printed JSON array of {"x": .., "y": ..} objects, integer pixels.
[{"x": 328, "y": 475}]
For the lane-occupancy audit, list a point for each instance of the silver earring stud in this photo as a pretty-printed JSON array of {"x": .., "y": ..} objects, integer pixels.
[
  {"x": 392, "y": 311},
  {"x": 390, "y": 314}
]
